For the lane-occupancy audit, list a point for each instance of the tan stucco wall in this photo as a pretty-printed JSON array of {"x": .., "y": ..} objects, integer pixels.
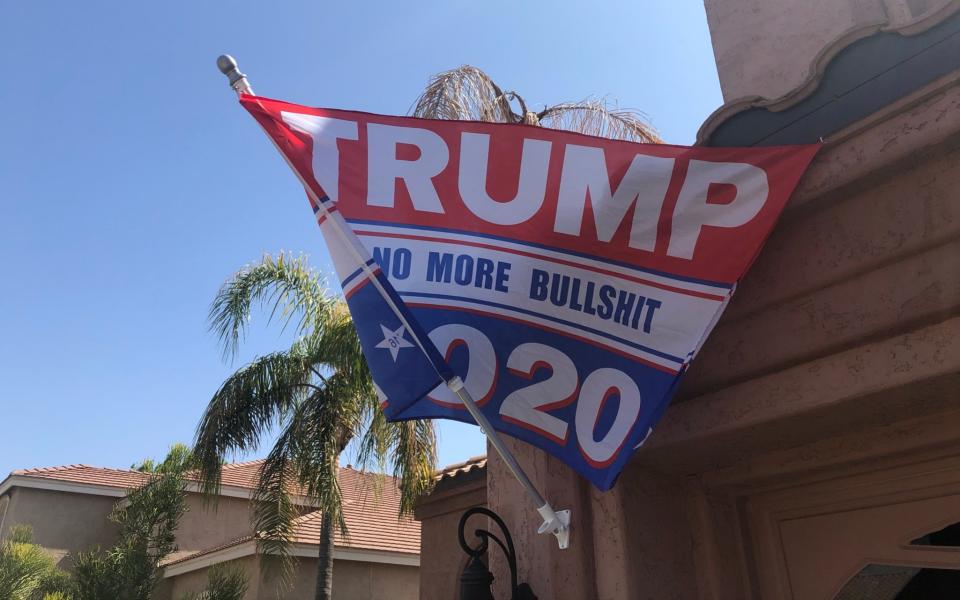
[
  {"x": 837, "y": 361},
  {"x": 175, "y": 588},
  {"x": 68, "y": 522},
  {"x": 206, "y": 525},
  {"x": 64, "y": 523},
  {"x": 771, "y": 48},
  {"x": 352, "y": 580}
]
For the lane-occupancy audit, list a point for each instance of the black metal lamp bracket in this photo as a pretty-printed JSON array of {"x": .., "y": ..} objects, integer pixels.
[{"x": 476, "y": 579}]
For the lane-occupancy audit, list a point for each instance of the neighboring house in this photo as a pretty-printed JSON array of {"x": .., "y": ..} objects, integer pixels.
[{"x": 68, "y": 508}]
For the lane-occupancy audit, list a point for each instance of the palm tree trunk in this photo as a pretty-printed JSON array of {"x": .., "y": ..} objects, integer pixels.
[
  {"x": 325, "y": 560},
  {"x": 325, "y": 550}
]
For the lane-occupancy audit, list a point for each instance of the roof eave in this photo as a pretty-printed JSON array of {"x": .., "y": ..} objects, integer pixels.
[
  {"x": 75, "y": 487},
  {"x": 302, "y": 550}
]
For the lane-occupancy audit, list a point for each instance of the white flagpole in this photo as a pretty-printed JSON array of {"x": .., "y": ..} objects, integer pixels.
[{"x": 555, "y": 522}]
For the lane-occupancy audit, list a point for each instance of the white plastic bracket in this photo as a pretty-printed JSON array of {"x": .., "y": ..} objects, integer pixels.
[{"x": 557, "y": 523}]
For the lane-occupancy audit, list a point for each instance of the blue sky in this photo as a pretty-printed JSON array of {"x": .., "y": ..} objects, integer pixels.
[{"x": 132, "y": 184}]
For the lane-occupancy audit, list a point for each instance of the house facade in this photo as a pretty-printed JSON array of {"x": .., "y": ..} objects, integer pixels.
[
  {"x": 68, "y": 508},
  {"x": 813, "y": 450}
]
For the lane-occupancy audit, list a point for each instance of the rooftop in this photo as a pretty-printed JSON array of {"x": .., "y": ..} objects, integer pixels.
[{"x": 468, "y": 466}]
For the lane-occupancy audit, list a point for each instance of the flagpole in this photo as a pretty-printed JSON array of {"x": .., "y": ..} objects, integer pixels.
[{"x": 555, "y": 522}]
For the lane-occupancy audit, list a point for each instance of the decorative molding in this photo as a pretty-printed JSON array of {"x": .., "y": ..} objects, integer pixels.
[
  {"x": 249, "y": 548},
  {"x": 924, "y": 21},
  {"x": 809, "y": 85},
  {"x": 821, "y": 64},
  {"x": 899, "y": 502}
]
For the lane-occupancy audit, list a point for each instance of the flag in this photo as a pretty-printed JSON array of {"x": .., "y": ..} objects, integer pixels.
[{"x": 569, "y": 280}]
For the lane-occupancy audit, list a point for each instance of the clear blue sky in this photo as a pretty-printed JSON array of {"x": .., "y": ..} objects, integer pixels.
[{"x": 132, "y": 184}]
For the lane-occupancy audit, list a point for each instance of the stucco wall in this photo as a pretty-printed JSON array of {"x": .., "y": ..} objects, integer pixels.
[
  {"x": 352, "y": 580},
  {"x": 175, "y": 588},
  {"x": 372, "y": 581},
  {"x": 67, "y": 522},
  {"x": 206, "y": 525},
  {"x": 441, "y": 558},
  {"x": 62, "y": 522}
]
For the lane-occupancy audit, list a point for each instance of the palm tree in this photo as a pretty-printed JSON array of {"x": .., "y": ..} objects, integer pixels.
[{"x": 319, "y": 391}]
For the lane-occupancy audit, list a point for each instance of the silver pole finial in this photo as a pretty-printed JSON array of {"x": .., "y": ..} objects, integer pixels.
[{"x": 238, "y": 81}]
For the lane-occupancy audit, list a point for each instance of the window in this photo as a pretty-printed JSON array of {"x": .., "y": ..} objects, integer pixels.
[{"x": 890, "y": 582}]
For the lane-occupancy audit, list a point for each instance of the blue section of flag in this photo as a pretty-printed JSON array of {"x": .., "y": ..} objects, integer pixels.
[
  {"x": 573, "y": 394},
  {"x": 407, "y": 366},
  {"x": 656, "y": 387},
  {"x": 403, "y": 371}
]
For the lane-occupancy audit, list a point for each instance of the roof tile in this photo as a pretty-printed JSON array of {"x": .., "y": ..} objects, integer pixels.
[{"x": 467, "y": 466}]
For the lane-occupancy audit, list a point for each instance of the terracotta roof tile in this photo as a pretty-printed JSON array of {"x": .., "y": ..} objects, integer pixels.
[
  {"x": 119, "y": 478},
  {"x": 242, "y": 475},
  {"x": 467, "y": 466},
  {"x": 371, "y": 515}
]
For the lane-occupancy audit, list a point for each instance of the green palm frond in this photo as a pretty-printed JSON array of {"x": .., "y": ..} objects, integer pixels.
[
  {"x": 286, "y": 284},
  {"x": 341, "y": 335},
  {"x": 407, "y": 449},
  {"x": 246, "y": 406},
  {"x": 373, "y": 447},
  {"x": 414, "y": 460},
  {"x": 328, "y": 421},
  {"x": 305, "y": 460},
  {"x": 274, "y": 508}
]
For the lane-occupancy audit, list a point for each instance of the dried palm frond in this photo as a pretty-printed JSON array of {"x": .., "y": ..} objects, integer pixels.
[
  {"x": 596, "y": 117},
  {"x": 467, "y": 93},
  {"x": 464, "y": 93}
]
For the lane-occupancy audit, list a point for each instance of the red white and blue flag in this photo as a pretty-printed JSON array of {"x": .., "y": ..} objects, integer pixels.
[{"x": 567, "y": 279}]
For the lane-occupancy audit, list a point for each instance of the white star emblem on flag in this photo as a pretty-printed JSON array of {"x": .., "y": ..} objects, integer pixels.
[{"x": 393, "y": 340}]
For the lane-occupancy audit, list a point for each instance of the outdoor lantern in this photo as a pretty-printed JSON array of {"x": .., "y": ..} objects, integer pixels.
[{"x": 476, "y": 579}]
